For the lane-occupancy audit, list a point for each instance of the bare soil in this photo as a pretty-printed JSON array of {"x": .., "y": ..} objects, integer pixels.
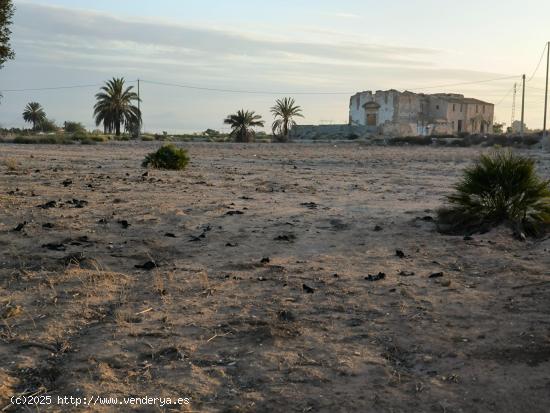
[{"x": 252, "y": 290}]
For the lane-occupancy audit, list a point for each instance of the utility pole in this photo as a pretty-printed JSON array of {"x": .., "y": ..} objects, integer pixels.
[
  {"x": 546, "y": 90},
  {"x": 513, "y": 108},
  {"x": 522, "y": 106},
  {"x": 139, "y": 111}
]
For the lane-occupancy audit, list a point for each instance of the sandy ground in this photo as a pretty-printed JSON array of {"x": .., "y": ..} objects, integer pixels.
[{"x": 219, "y": 323}]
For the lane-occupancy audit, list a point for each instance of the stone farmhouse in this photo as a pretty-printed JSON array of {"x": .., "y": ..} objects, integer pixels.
[{"x": 394, "y": 113}]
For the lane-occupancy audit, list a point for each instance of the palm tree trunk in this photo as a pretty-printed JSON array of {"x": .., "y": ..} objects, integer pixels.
[{"x": 117, "y": 128}]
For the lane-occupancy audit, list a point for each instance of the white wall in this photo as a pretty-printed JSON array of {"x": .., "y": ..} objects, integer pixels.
[{"x": 385, "y": 113}]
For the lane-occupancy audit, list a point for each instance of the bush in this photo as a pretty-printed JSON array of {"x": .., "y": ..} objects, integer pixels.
[
  {"x": 499, "y": 188},
  {"x": 80, "y": 136},
  {"x": 48, "y": 125},
  {"x": 411, "y": 140},
  {"x": 167, "y": 157},
  {"x": 74, "y": 127},
  {"x": 211, "y": 133},
  {"x": 43, "y": 140},
  {"x": 98, "y": 138}
]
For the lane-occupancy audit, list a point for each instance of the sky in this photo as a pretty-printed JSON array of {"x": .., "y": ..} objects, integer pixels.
[{"x": 319, "y": 52}]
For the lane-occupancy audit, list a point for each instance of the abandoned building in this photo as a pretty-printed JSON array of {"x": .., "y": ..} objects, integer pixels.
[{"x": 395, "y": 113}]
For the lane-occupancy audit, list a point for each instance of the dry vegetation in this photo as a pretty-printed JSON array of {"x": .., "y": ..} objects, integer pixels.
[{"x": 252, "y": 282}]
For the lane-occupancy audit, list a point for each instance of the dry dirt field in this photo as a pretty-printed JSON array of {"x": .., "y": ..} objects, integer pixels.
[{"x": 243, "y": 283}]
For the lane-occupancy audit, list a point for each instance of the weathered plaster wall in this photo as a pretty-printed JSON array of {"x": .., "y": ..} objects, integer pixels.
[
  {"x": 356, "y": 110},
  {"x": 420, "y": 114},
  {"x": 386, "y": 99}
]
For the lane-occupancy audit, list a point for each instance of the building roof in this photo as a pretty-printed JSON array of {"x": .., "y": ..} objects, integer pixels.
[{"x": 449, "y": 97}]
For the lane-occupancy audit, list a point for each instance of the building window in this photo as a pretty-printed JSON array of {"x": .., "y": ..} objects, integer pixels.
[
  {"x": 477, "y": 108},
  {"x": 483, "y": 108},
  {"x": 454, "y": 108},
  {"x": 437, "y": 107},
  {"x": 453, "y": 125},
  {"x": 461, "y": 107}
]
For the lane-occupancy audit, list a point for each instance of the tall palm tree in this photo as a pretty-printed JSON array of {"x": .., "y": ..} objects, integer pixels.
[
  {"x": 242, "y": 123},
  {"x": 284, "y": 111},
  {"x": 115, "y": 108},
  {"x": 35, "y": 114}
]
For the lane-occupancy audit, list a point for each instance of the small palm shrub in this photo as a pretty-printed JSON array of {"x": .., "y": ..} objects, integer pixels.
[
  {"x": 500, "y": 187},
  {"x": 167, "y": 157}
]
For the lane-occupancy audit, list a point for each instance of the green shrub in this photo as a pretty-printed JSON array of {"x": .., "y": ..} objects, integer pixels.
[
  {"x": 167, "y": 157},
  {"x": 211, "y": 133},
  {"x": 48, "y": 125},
  {"x": 23, "y": 139},
  {"x": 43, "y": 140},
  {"x": 499, "y": 188},
  {"x": 80, "y": 136},
  {"x": 74, "y": 127}
]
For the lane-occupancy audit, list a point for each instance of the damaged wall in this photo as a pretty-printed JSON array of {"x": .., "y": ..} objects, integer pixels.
[{"x": 406, "y": 113}]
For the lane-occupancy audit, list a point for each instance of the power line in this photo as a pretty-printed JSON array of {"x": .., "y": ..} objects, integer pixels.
[
  {"x": 312, "y": 93},
  {"x": 56, "y": 87},
  {"x": 506, "y": 95},
  {"x": 535, "y": 88},
  {"x": 210, "y": 89},
  {"x": 540, "y": 61},
  {"x": 466, "y": 83},
  {"x": 256, "y": 92}
]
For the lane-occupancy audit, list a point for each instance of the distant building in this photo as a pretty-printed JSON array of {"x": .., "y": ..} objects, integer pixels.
[{"x": 395, "y": 113}]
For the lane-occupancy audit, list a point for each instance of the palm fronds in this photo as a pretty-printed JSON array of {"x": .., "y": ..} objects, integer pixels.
[
  {"x": 284, "y": 111},
  {"x": 242, "y": 123},
  {"x": 34, "y": 113},
  {"x": 500, "y": 187},
  {"x": 115, "y": 108}
]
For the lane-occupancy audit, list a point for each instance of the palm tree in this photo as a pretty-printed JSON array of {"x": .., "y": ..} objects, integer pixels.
[
  {"x": 242, "y": 123},
  {"x": 114, "y": 106},
  {"x": 34, "y": 113},
  {"x": 284, "y": 111}
]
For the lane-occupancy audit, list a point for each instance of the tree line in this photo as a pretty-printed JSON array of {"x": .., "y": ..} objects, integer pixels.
[{"x": 116, "y": 110}]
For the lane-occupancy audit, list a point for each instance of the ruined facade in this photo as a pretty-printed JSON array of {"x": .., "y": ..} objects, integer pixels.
[{"x": 395, "y": 113}]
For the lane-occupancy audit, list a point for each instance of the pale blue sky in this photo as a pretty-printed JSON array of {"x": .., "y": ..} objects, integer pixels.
[{"x": 293, "y": 46}]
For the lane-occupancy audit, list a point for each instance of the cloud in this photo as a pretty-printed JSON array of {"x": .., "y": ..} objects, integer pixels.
[{"x": 62, "y": 34}]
